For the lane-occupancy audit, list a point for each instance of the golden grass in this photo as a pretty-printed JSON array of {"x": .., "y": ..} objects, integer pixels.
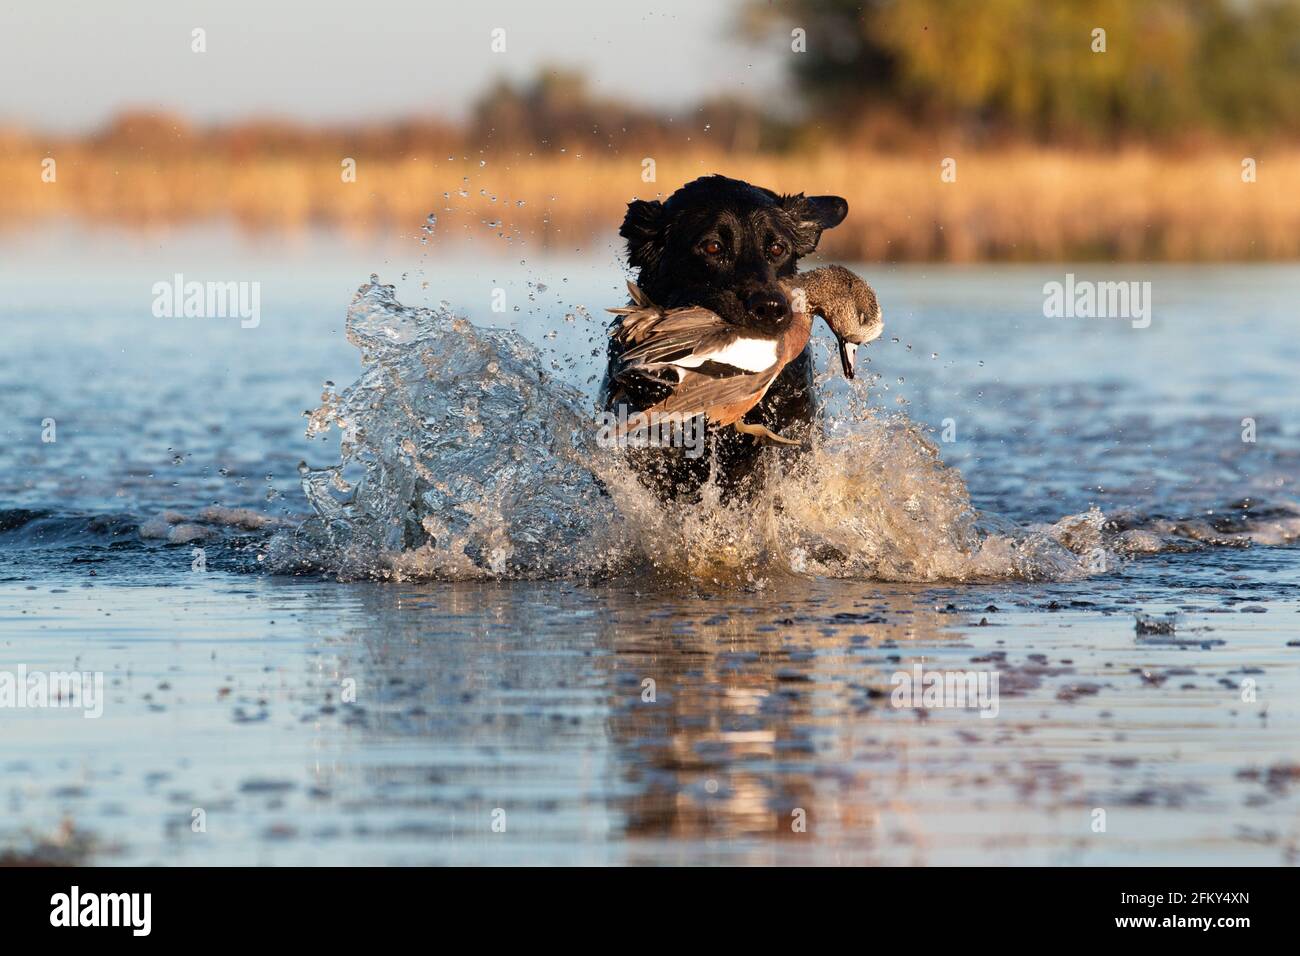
[{"x": 1017, "y": 204}]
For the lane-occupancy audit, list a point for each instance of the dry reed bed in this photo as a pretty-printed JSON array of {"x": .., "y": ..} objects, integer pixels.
[{"x": 1018, "y": 204}]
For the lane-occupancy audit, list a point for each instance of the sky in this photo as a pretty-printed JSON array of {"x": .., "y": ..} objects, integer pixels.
[{"x": 69, "y": 65}]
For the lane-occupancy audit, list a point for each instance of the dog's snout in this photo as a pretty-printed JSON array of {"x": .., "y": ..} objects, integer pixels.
[{"x": 767, "y": 306}]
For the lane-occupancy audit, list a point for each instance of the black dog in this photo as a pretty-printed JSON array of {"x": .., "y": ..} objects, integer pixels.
[{"x": 722, "y": 244}]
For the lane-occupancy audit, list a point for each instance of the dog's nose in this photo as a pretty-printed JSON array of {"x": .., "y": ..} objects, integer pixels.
[{"x": 766, "y": 306}]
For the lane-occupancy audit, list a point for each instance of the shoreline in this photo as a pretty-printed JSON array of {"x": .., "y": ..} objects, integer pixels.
[{"x": 1014, "y": 205}]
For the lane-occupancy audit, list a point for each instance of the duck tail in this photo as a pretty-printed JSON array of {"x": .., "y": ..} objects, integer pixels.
[
  {"x": 640, "y": 304},
  {"x": 638, "y": 295}
]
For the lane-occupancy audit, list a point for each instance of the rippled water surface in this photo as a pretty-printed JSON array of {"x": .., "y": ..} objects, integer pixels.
[{"x": 550, "y": 667}]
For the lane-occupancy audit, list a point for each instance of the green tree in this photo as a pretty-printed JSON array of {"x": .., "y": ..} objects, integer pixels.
[{"x": 1032, "y": 67}]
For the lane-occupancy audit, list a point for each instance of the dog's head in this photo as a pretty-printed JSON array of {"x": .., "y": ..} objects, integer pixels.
[{"x": 723, "y": 244}]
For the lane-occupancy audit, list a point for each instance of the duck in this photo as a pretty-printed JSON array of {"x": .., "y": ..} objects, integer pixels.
[
  {"x": 848, "y": 305},
  {"x": 723, "y": 370}
]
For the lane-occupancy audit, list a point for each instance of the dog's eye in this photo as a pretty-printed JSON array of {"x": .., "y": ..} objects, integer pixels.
[
  {"x": 712, "y": 247},
  {"x": 776, "y": 250}
]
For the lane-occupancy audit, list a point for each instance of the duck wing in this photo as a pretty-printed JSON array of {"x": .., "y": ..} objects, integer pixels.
[
  {"x": 639, "y": 323},
  {"x": 725, "y": 400},
  {"x": 702, "y": 344},
  {"x": 648, "y": 336},
  {"x": 637, "y": 319},
  {"x": 707, "y": 362}
]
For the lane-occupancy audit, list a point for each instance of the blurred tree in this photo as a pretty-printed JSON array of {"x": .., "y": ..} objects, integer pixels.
[
  {"x": 145, "y": 132},
  {"x": 555, "y": 110},
  {"x": 1029, "y": 66}
]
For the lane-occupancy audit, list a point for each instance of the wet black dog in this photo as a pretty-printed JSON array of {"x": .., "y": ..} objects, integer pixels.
[{"x": 723, "y": 244}]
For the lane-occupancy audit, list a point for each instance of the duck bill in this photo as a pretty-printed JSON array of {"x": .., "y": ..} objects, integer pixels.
[{"x": 848, "y": 355}]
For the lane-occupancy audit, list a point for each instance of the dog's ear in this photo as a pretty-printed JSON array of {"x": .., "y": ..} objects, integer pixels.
[
  {"x": 643, "y": 229},
  {"x": 812, "y": 215}
]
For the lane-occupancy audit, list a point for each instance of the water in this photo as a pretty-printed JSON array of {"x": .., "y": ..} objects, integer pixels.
[{"x": 499, "y": 593}]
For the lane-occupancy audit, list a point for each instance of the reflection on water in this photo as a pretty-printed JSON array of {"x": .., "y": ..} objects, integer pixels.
[
  {"x": 769, "y": 733},
  {"x": 753, "y": 703}
]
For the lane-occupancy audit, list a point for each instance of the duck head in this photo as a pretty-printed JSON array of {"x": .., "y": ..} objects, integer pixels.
[{"x": 849, "y": 306}]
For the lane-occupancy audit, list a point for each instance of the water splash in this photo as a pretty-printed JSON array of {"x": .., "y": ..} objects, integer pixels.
[
  {"x": 874, "y": 503},
  {"x": 462, "y": 458}
]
